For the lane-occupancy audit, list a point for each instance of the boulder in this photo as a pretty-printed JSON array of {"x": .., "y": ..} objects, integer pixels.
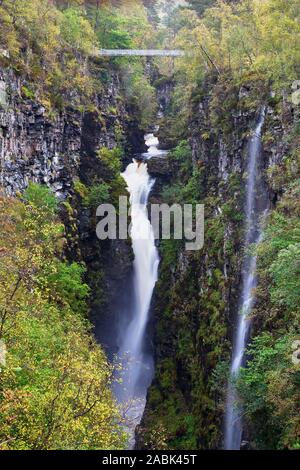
[{"x": 159, "y": 166}]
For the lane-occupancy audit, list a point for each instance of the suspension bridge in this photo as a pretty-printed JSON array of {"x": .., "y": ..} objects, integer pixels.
[{"x": 141, "y": 52}]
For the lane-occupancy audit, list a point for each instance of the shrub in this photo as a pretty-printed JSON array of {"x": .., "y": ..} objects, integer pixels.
[
  {"x": 42, "y": 198},
  {"x": 98, "y": 194}
]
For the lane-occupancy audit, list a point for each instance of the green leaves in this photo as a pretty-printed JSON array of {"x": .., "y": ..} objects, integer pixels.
[
  {"x": 270, "y": 397},
  {"x": 279, "y": 253},
  {"x": 76, "y": 31},
  {"x": 98, "y": 194},
  {"x": 65, "y": 285},
  {"x": 111, "y": 159},
  {"x": 41, "y": 198},
  {"x": 46, "y": 46},
  {"x": 285, "y": 272},
  {"x": 268, "y": 385},
  {"x": 55, "y": 390},
  {"x": 248, "y": 36}
]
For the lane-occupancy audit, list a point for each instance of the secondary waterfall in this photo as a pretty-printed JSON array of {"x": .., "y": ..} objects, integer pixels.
[
  {"x": 137, "y": 362},
  {"x": 256, "y": 206}
]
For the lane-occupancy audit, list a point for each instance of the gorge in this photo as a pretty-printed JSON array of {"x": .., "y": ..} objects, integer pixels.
[
  {"x": 139, "y": 343},
  {"x": 137, "y": 363}
]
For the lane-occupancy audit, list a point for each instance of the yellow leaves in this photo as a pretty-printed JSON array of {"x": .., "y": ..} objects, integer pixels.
[
  {"x": 278, "y": 27},
  {"x": 135, "y": 14},
  {"x": 77, "y": 32},
  {"x": 8, "y": 37},
  {"x": 249, "y": 36},
  {"x": 55, "y": 388},
  {"x": 205, "y": 136},
  {"x": 50, "y": 38}
]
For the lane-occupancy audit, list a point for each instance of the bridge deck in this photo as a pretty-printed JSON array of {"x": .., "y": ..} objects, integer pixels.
[{"x": 141, "y": 52}]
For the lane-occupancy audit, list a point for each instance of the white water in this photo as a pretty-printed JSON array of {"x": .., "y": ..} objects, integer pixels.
[
  {"x": 152, "y": 143},
  {"x": 137, "y": 363},
  {"x": 254, "y": 211}
]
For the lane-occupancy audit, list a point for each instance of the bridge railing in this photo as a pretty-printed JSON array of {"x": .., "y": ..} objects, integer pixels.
[{"x": 141, "y": 52}]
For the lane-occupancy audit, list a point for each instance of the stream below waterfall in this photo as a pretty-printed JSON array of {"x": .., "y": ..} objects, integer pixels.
[
  {"x": 137, "y": 368},
  {"x": 255, "y": 208}
]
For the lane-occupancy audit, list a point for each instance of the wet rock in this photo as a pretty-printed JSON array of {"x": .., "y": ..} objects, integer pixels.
[
  {"x": 245, "y": 445},
  {"x": 219, "y": 152},
  {"x": 3, "y": 94},
  {"x": 35, "y": 148},
  {"x": 159, "y": 166},
  {"x": 244, "y": 92}
]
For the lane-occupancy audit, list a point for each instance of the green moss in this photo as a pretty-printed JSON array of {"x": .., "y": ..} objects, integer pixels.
[
  {"x": 111, "y": 158},
  {"x": 81, "y": 190},
  {"x": 27, "y": 93}
]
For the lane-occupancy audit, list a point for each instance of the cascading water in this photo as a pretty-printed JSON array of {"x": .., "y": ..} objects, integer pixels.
[
  {"x": 256, "y": 206},
  {"x": 152, "y": 143},
  {"x": 137, "y": 363}
]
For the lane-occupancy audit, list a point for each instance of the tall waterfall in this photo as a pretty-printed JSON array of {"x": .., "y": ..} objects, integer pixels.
[
  {"x": 256, "y": 206},
  {"x": 137, "y": 363}
]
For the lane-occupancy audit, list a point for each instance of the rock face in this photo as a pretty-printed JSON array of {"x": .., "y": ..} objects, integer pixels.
[
  {"x": 159, "y": 166},
  {"x": 33, "y": 147},
  {"x": 197, "y": 294},
  {"x": 43, "y": 149},
  {"x": 56, "y": 150}
]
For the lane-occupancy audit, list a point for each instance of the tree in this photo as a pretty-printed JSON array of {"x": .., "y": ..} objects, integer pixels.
[
  {"x": 270, "y": 393},
  {"x": 55, "y": 389},
  {"x": 285, "y": 272},
  {"x": 201, "y": 5},
  {"x": 76, "y": 31}
]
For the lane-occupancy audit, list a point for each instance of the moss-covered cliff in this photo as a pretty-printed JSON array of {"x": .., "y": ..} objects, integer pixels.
[
  {"x": 69, "y": 123},
  {"x": 197, "y": 293}
]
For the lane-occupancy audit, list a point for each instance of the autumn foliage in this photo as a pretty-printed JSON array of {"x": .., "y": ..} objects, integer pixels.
[{"x": 55, "y": 387}]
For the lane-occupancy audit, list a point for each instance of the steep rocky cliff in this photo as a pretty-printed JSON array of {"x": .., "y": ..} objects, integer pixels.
[
  {"x": 197, "y": 293},
  {"x": 34, "y": 147},
  {"x": 49, "y": 147},
  {"x": 61, "y": 150},
  {"x": 195, "y": 303}
]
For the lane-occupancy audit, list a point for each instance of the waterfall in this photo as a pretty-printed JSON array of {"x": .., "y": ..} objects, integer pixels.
[
  {"x": 152, "y": 143},
  {"x": 137, "y": 363},
  {"x": 255, "y": 207}
]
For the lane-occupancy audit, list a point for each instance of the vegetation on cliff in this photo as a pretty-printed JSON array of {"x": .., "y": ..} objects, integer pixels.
[
  {"x": 269, "y": 385},
  {"x": 241, "y": 59},
  {"x": 55, "y": 384},
  {"x": 53, "y": 46}
]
